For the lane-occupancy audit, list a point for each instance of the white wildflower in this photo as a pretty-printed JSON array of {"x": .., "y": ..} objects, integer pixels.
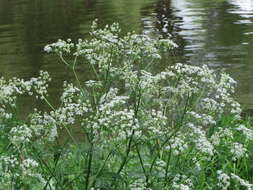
[
  {"x": 242, "y": 182},
  {"x": 238, "y": 151},
  {"x": 224, "y": 179},
  {"x": 246, "y": 131}
]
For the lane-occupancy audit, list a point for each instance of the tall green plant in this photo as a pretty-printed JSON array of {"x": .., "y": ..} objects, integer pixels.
[{"x": 176, "y": 129}]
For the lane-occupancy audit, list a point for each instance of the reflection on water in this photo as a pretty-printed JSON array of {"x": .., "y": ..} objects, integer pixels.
[
  {"x": 26, "y": 26},
  {"x": 191, "y": 24},
  {"x": 244, "y": 5},
  {"x": 214, "y": 32},
  {"x": 219, "y": 33},
  {"x": 244, "y": 8}
]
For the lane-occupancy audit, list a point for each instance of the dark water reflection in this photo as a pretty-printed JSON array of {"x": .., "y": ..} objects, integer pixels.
[
  {"x": 219, "y": 33},
  {"x": 214, "y": 32}
]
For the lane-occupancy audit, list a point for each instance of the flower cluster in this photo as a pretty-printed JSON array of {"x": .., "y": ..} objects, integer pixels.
[
  {"x": 224, "y": 179},
  {"x": 182, "y": 182},
  {"x": 17, "y": 136},
  {"x": 238, "y": 151},
  {"x": 9, "y": 90},
  {"x": 128, "y": 105}
]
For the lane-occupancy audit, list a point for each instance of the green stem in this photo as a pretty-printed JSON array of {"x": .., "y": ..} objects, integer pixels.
[
  {"x": 142, "y": 164},
  {"x": 76, "y": 77},
  {"x": 63, "y": 60},
  {"x": 94, "y": 70},
  {"x": 180, "y": 124},
  {"x": 185, "y": 109},
  {"x": 127, "y": 153},
  {"x": 152, "y": 164},
  {"x": 55, "y": 165},
  {"x": 101, "y": 169},
  {"x": 48, "y": 103},
  {"x": 42, "y": 162},
  {"x": 89, "y": 167},
  {"x": 167, "y": 167}
]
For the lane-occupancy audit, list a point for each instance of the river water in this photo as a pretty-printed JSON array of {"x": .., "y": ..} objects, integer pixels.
[{"x": 214, "y": 32}]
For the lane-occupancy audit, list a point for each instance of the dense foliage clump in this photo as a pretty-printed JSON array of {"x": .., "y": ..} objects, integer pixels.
[{"x": 175, "y": 129}]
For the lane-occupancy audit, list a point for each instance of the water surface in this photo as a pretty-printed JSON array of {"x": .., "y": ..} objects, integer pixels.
[{"x": 214, "y": 32}]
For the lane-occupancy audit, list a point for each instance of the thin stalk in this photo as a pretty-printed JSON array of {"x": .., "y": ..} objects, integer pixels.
[
  {"x": 199, "y": 97},
  {"x": 142, "y": 164},
  {"x": 89, "y": 167},
  {"x": 73, "y": 69},
  {"x": 109, "y": 67},
  {"x": 107, "y": 76},
  {"x": 77, "y": 176},
  {"x": 69, "y": 133},
  {"x": 131, "y": 137},
  {"x": 101, "y": 168},
  {"x": 7, "y": 148},
  {"x": 76, "y": 77},
  {"x": 63, "y": 60},
  {"x": 82, "y": 88},
  {"x": 185, "y": 108},
  {"x": 79, "y": 84},
  {"x": 48, "y": 103},
  {"x": 181, "y": 121},
  {"x": 94, "y": 70},
  {"x": 127, "y": 153},
  {"x": 138, "y": 103},
  {"x": 177, "y": 161},
  {"x": 55, "y": 165},
  {"x": 94, "y": 97},
  {"x": 167, "y": 167},
  {"x": 64, "y": 126},
  {"x": 42, "y": 162},
  {"x": 153, "y": 163}
]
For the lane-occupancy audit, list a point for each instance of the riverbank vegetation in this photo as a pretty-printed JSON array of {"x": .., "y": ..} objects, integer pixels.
[{"x": 175, "y": 129}]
